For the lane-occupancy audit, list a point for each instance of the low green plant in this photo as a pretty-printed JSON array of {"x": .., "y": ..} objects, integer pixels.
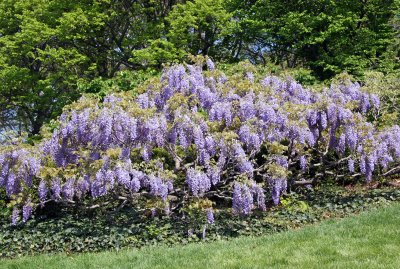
[{"x": 107, "y": 229}]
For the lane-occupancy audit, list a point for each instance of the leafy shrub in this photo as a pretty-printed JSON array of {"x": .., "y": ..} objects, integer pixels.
[{"x": 201, "y": 137}]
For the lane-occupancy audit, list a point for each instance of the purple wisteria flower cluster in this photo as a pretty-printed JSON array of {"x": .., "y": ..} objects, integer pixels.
[{"x": 200, "y": 135}]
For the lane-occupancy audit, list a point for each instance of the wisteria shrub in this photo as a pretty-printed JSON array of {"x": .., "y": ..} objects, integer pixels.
[{"x": 199, "y": 140}]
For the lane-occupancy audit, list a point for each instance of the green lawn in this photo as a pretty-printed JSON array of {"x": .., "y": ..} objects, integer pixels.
[{"x": 371, "y": 240}]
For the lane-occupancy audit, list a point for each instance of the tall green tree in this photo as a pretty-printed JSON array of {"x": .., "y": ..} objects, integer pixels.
[
  {"x": 327, "y": 35},
  {"x": 198, "y": 27},
  {"x": 46, "y": 47}
]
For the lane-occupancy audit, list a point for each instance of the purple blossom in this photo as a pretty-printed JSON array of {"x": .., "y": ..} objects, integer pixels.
[
  {"x": 312, "y": 117},
  {"x": 323, "y": 120},
  {"x": 243, "y": 163},
  {"x": 198, "y": 137},
  {"x": 260, "y": 197},
  {"x": 352, "y": 138},
  {"x": 196, "y": 76},
  {"x": 344, "y": 114},
  {"x": 365, "y": 104},
  {"x": 303, "y": 163},
  {"x": 12, "y": 186},
  {"x": 110, "y": 179},
  {"x": 385, "y": 160},
  {"x": 3, "y": 172},
  {"x": 221, "y": 111},
  {"x": 351, "y": 165},
  {"x": 56, "y": 189},
  {"x": 15, "y": 216},
  {"x": 214, "y": 173},
  {"x": 363, "y": 165},
  {"x": 146, "y": 153},
  {"x": 125, "y": 153},
  {"x": 207, "y": 97},
  {"x": 375, "y": 101},
  {"x": 273, "y": 82},
  {"x": 246, "y": 167},
  {"x": 26, "y": 211},
  {"x": 42, "y": 190},
  {"x": 204, "y": 158},
  {"x": 250, "y": 76},
  {"x": 33, "y": 167},
  {"x": 177, "y": 79},
  {"x": 210, "y": 215},
  {"x": 247, "y": 109},
  {"x": 210, "y": 65},
  {"x": 242, "y": 199},
  {"x": 370, "y": 167},
  {"x": 282, "y": 161},
  {"x": 244, "y": 134},
  {"x": 331, "y": 113},
  {"x": 278, "y": 186},
  {"x": 68, "y": 189},
  {"x": 210, "y": 145},
  {"x": 266, "y": 112},
  {"x": 138, "y": 179},
  {"x": 342, "y": 143},
  {"x": 144, "y": 101},
  {"x": 158, "y": 187},
  {"x": 99, "y": 184},
  {"x": 197, "y": 181},
  {"x": 82, "y": 187},
  {"x": 255, "y": 141},
  {"x": 122, "y": 176}
]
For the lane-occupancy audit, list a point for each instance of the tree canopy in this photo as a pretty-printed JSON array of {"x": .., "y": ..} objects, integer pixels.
[
  {"x": 46, "y": 47},
  {"x": 49, "y": 48}
]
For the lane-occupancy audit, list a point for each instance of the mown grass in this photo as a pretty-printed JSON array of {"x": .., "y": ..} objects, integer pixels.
[{"x": 370, "y": 240}]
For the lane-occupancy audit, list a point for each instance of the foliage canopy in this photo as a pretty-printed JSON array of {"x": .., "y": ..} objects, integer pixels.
[{"x": 48, "y": 48}]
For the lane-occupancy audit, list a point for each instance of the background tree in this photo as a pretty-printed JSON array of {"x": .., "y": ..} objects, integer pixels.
[
  {"x": 52, "y": 51},
  {"x": 327, "y": 35},
  {"x": 198, "y": 27},
  {"x": 47, "y": 47}
]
